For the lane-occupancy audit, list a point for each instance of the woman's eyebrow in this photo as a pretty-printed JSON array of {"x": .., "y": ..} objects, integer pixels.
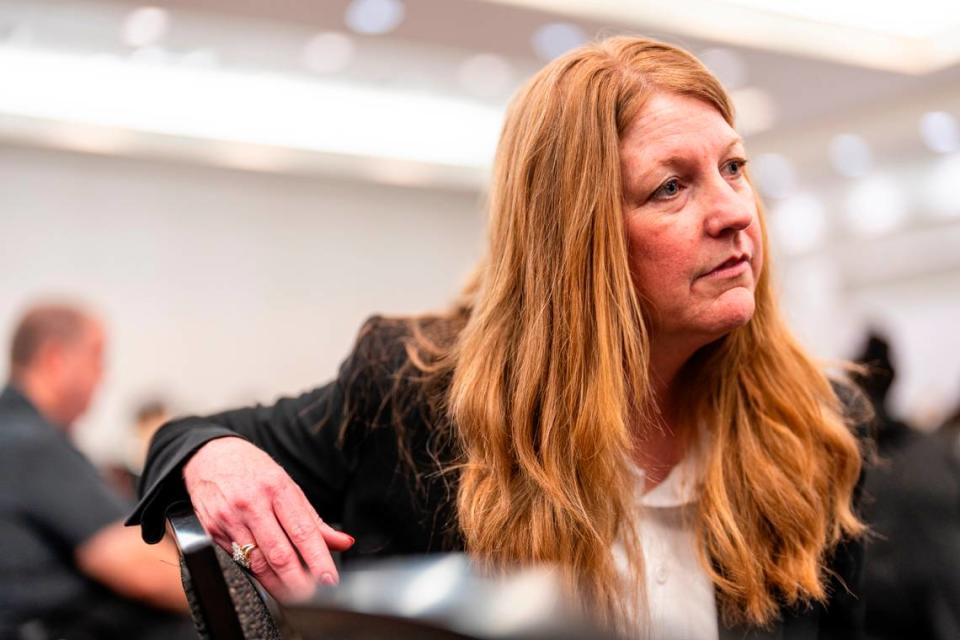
[
  {"x": 680, "y": 160},
  {"x": 736, "y": 141}
]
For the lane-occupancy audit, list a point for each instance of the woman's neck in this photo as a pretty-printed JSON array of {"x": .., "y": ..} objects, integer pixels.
[{"x": 661, "y": 446}]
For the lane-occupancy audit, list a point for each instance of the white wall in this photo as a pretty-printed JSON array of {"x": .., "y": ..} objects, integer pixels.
[
  {"x": 220, "y": 287},
  {"x": 919, "y": 314}
]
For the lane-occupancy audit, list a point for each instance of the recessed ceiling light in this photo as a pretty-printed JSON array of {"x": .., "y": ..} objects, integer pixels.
[
  {"x": 799, "y": 223},
  {"x": 145, "y": 26},
  {"x": 775, "y": 175},
  {"x": 940, "y": 132},
  {"x": 875, "y": 206},
  {"x": 374, "y": 16},
  {"x": 556, "y": 38},
  {"x": 850, "y": 155}
]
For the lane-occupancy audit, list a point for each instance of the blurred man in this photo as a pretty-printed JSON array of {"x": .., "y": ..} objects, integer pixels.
[
  {"x": 911, "y": 579},
  {"x": 68, "y": 567}
]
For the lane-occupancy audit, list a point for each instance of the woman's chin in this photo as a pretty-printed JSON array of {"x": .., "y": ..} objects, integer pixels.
[{"x": 734, "y": 311}]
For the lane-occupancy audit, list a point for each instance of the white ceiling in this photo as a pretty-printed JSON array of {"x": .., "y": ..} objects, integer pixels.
[
  {"x": 802, "y": 86},
  {"x": 805, "y": 99}
]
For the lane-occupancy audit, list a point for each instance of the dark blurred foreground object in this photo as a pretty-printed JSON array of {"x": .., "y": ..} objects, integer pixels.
[
  {"x": 437, "y": 597},
  {"x": 912, "y": 570},
  {"x": 440, "y": 596}
]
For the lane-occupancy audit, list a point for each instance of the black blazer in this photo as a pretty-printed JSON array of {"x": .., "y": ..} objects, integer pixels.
[{"x": 339, "y": 444}]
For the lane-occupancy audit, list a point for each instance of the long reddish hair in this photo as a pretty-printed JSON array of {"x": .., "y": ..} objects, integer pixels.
[{"x": 549, "y": 384}]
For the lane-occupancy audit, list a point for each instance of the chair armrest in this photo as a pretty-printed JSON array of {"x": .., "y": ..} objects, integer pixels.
[{"x": 212, "y": 607}]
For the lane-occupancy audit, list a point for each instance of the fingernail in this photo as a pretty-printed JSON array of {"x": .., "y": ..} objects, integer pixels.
[
  {"x": 328, "y": 579},
  {"x": 352, "y": 539}
]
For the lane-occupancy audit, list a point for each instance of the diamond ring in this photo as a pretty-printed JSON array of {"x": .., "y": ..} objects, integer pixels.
[{"x": 241, "y": 554}]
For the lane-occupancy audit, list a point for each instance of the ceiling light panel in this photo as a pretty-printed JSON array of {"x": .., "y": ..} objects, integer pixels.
[{"x": 265, "y": 108}]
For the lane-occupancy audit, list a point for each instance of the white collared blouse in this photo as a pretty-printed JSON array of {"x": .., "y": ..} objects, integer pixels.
[{"x": 680, "y": 596}]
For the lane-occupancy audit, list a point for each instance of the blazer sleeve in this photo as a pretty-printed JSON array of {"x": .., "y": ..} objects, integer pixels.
[{"x": 315, "y": 437}]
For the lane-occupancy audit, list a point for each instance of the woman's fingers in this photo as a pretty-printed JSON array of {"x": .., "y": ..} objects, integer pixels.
[
  {"x": 225, "y": 529},
  {"x": 279, "y": 554},
  {"x": 259, "y": 566},
  {"x": 336, "y": 540},
  {"x": 303, "y": 528}
]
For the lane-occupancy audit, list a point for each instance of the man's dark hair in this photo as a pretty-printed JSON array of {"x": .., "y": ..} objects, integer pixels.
[{"x": 43, "y": 323}]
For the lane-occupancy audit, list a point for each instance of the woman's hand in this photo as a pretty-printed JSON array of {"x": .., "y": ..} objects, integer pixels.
[{"x": 241, "y": 495}]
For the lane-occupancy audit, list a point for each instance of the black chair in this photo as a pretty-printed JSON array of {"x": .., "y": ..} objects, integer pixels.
[
  {"x": 436, "y": 597},
  {"x": 226, "y": 603}
]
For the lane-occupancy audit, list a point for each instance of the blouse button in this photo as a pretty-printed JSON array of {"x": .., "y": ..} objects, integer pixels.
[{"x": 661, "y": 574}]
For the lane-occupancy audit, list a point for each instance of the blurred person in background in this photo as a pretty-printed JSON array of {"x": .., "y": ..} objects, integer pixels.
[
  {"x": 616, "y": 393},
  {"x": 68, "y": 567},
  {"x": 147, "y": 418},
  {"x": 911, "y": 581},
  {"x": 889, "y": 432}
]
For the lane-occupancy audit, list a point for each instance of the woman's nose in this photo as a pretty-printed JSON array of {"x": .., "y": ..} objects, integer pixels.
[{"x": 727, "y": 209}]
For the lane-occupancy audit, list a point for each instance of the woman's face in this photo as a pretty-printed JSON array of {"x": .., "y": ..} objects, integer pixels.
[{"x": 691, "y": 219}]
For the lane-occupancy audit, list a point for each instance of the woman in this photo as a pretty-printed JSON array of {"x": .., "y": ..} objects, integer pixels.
[{"x": 619, "y": 341}]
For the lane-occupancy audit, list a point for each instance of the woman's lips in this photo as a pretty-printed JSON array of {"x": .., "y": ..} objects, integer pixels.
[{"x": 730, "y": 268}]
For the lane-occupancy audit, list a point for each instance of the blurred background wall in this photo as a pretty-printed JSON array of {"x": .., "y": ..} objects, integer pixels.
[
  {"x": 221, "y": 288},
  {"x": 235, "y": 185}
]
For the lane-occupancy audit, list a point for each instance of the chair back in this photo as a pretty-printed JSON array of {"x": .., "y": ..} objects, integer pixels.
[{"x": 226, "y": 603}]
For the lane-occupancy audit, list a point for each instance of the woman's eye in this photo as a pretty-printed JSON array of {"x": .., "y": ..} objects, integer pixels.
[
  {"x": 734, "y": 168},
  {"x": 667, "y": 190}
]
